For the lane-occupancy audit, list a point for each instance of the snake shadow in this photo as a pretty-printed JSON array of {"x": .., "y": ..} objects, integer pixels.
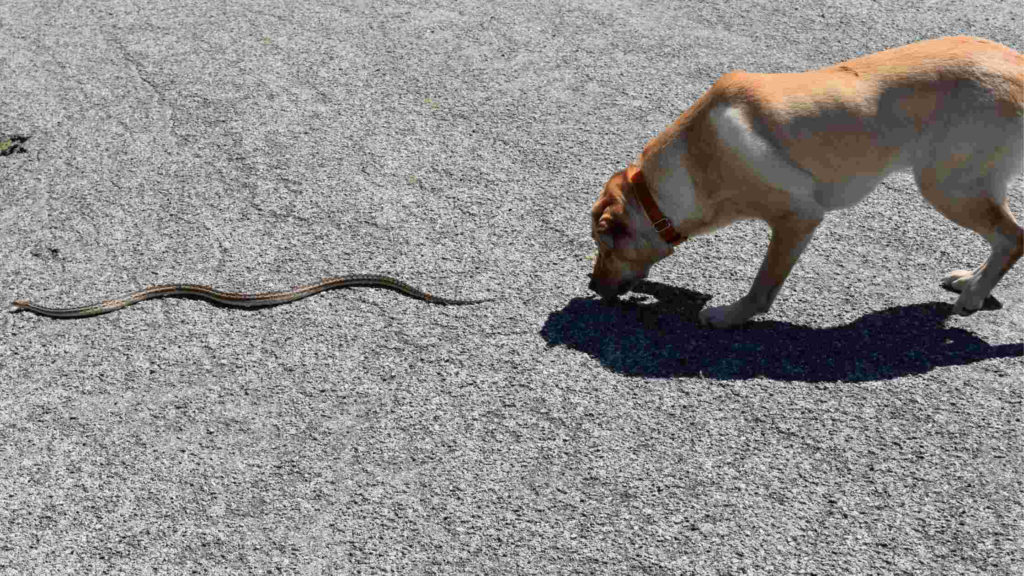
[{"x": 664, "y": 339}]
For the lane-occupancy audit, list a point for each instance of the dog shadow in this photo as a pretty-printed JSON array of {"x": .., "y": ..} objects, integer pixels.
[{"x": 664, "y": 339}]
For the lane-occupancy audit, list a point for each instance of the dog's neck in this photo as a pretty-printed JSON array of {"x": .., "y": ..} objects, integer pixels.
[
  {"x": 672, "y": 188},
  {"x": 642, "y": 194}
]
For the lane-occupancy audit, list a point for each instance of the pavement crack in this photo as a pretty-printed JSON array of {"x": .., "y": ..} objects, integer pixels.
[{"x": 137, "y": 68}]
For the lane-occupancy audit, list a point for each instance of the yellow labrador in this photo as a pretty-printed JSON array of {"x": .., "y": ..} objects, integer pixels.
[{"x": 787, "y": 148}]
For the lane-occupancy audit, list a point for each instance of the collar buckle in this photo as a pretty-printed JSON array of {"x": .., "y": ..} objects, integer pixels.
[
  {"x": 661, "y": 222},
  {"x": 661, "y": 225}
]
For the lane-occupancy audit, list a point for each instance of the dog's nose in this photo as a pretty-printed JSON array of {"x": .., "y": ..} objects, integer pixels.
[{"x": 605, "y": 292}]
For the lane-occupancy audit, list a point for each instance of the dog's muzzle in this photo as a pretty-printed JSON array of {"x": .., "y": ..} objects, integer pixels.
[{"x": 611, "y": 292}]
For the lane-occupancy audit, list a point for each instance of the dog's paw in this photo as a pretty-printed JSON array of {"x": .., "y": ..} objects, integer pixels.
[
  {"x": 969, "y": 302},
  {"x": 958, "y": 280},
  {"x": 972, "y": 297},
  {"x": 727, "y": 316}
]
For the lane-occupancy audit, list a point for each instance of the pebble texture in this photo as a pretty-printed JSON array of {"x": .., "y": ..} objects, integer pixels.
[{"x": 257, "y": 145}]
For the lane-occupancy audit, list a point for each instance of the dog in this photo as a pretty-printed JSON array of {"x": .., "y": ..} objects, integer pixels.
[{"x": 787, "y": 148}]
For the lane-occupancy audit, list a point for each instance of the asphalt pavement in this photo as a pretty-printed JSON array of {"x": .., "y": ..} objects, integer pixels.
[{"x": 857, "y": 428}]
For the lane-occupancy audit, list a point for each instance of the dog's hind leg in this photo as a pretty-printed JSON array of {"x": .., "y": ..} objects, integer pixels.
[{"x": 972, "y": 193}]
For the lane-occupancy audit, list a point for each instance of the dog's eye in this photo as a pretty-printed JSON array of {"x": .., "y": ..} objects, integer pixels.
[
  {"x": 612, "y": 228},
  {"x": 609, "y": 226},
  {"x": 610, "y": 233}
]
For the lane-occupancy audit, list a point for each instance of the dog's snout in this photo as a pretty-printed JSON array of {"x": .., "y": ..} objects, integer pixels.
[
  {"x": 602, "y": 290},
  {"x": 609, "y": 291}
]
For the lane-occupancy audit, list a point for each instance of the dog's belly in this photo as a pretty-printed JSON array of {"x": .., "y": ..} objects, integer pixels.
[
  {"x": 838, "y": 195},
  {"x": 851, "y": 189}
]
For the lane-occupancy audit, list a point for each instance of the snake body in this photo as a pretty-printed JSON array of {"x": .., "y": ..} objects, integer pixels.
[{"x": 238, "y": 300}]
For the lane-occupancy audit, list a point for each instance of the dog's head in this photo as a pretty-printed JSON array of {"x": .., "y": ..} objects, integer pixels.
[{"x": 627, "y": 243}]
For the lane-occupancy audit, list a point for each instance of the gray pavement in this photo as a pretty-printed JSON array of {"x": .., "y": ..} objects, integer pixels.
[{"x": 258, "y": 145}]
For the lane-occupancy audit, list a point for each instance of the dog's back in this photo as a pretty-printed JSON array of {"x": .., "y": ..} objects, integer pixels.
[{"x": 898, "y": 108}]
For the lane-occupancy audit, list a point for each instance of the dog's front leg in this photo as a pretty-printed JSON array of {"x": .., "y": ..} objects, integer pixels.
[{"x": 790, "y": 235}]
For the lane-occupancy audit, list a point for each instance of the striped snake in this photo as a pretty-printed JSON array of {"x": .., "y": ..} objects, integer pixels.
[{"x": 237, "y": 300}]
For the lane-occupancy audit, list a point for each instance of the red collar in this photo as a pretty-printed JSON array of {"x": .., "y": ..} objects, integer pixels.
[{"x": 661, "y": 222}]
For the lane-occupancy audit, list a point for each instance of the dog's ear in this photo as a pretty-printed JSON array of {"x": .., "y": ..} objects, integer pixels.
[{"x": 634, "y": 175}]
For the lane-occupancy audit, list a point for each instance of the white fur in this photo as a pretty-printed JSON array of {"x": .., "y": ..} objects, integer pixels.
[
  {"x": 673, "y": 187},
  {"x": 758, "y": 154}
]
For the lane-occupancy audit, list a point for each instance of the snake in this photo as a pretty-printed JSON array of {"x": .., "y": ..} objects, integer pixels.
[{"x": 239, "y": 300}]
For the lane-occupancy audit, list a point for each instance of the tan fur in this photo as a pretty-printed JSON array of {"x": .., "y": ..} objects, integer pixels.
[{"x": 787, "y": 148}]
